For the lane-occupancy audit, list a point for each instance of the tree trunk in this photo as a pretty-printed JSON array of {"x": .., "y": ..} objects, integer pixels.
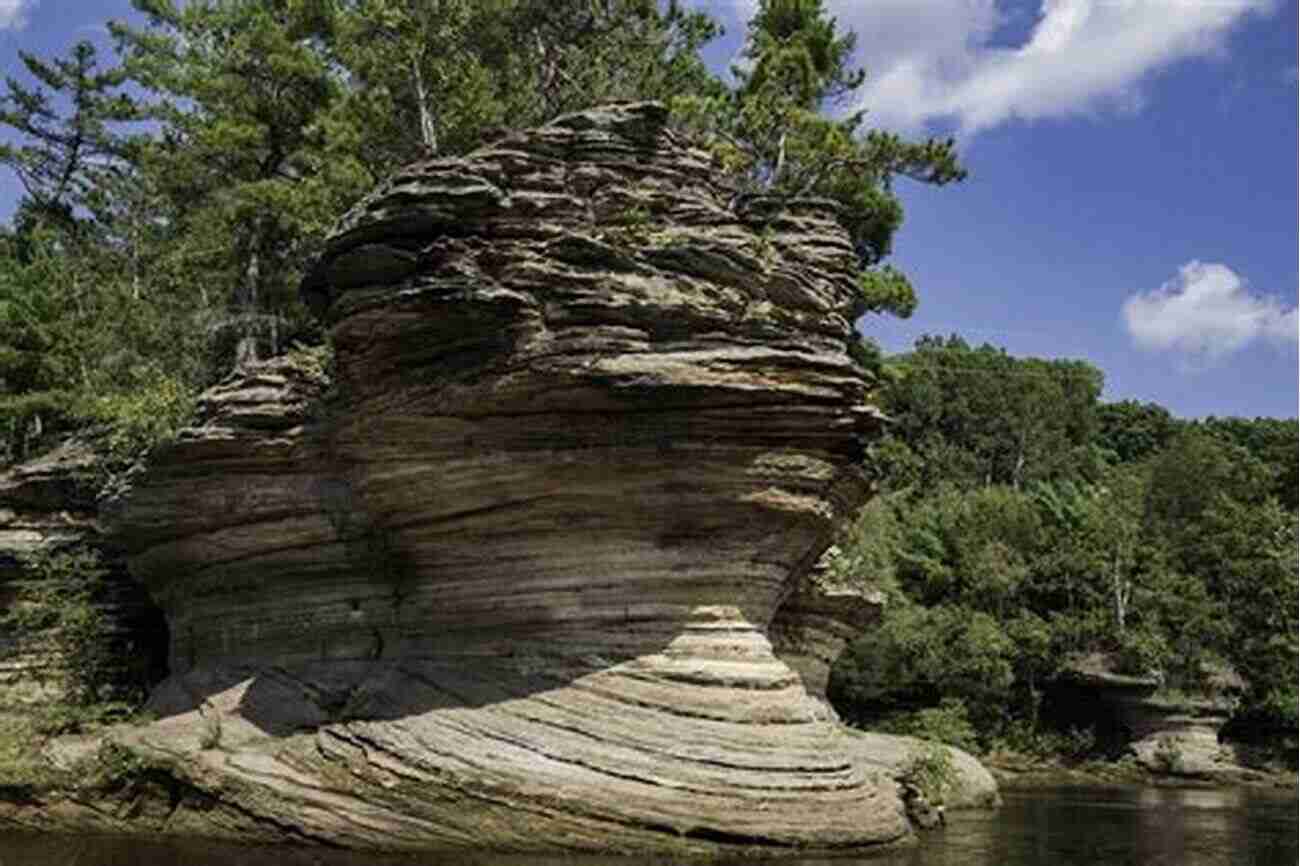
[
  {"x": 428, "y": 134},
  {"x": 246, "y": 350},
  {"x": 1123, "y": 590}
]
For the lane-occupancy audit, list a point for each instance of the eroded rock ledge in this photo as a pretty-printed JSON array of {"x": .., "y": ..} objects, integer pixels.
[{"x": 510, "y": 584}]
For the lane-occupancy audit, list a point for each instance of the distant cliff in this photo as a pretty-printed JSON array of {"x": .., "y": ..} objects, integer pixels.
[{"x": 504, "y": 576}]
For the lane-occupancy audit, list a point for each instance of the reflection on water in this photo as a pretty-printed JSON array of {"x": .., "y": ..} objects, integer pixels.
[{"x": 1064, "y": 826}]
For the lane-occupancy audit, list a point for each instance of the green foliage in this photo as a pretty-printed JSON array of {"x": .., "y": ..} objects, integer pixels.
[
  {"x": 58, "y": 606},
  {"x": 243, "y": 90},
  {"x": 887, "y": 290},
  {"x": 21, "y": 763},
  {"x": 949, "y": 723},
  {"x": 112, "y": 767},
  {"x": 1246, "y": 555},
  {"x": 57, "y": 717},
  {"x": 930, "y": 769},
  {"x": 65, "y": 160},
  {"x": 1024, "y": 525},
  {"x": 141, "y": 420},
  {"x": 866, "y": 550},
  {"x": 1189, "y": 475},
  {"x": 1026, "y": 737},
  {"x": 772, "y": 136},
  {"x": 1274, "y": 442},
  {"x": 918, "y": 655},
  {"x": 1129, "y": 431},
  {"x": 977, "y": 416},
  {"x": 1142, "y": 652},
  {"x": 26, "y": 420}
]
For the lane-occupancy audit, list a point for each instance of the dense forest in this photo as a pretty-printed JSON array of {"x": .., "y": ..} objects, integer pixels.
[
  {"x": 1022, "y": 524},
  {"x": 175, "y": 193}
]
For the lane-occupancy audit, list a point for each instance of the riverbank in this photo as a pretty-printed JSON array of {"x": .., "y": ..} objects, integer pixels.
[{"x": 1018, "y": 770}]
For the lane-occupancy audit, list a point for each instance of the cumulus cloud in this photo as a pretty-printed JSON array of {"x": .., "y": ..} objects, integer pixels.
[
  {"x": 1207, "y": 312},
  {"x": 13, "y": 13},
  {"x": 954, "y": 63}
]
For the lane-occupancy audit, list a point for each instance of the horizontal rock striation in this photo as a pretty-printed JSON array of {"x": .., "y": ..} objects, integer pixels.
[
  {"x": 48, "y": 507},
  {"x": 1168, "y": 732},
  {"x": 509, "y": 582}
]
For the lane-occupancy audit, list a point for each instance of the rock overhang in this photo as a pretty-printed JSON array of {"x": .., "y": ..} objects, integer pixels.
[{"x": 592, "y": 420}]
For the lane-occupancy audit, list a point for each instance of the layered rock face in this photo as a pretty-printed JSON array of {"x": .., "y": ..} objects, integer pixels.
[
  {"x": 48, "y": 506},
  {"x": 509, "y": 584},
  {"x": 1175, "y": 734},
  {"x": 817, "y": 621}
]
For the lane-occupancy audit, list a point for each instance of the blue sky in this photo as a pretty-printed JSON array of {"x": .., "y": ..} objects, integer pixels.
[{"x": 1132, "y": 198}]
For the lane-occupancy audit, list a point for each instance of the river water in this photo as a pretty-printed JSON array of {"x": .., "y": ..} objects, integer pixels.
[{"x": 1055, "y": 826}]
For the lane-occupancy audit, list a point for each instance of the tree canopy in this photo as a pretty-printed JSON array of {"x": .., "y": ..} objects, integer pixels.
[
  {"x": 197, "y": 175},
  {"x": 1022, "y": 523},
  {"x": 782, "y": 131}
]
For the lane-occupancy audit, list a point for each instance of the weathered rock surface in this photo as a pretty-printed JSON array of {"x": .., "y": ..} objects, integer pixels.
[
  {"x": 817, "y": 621},
  {"x": 1173, "y": 734},
  {"x": 48, "y": 505},
  {"x": 972, "y": 785},
  {"x": 511, "y": 583}
]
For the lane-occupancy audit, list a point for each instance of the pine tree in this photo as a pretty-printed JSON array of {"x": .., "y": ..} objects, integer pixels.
[
  {"x": 242, "y": 90},
  {"x": 66, "y": 157},
  {"x": 772, "y": 131}
]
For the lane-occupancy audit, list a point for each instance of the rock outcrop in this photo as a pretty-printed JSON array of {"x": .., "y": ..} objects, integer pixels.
[
  {"x": 817, "y": 621},
  {"x": 971, "y": 785},
  {"x": 1167, "y": 732},
  {"x": 509, "y": 583},
  {"x": 48, "y": 507}
]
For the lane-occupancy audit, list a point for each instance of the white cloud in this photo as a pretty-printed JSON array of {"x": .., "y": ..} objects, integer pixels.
[
  {"x": 13, "y": 13},
  {"x": 1207, "y": 312},
  {"x": 935, "y": 61}
]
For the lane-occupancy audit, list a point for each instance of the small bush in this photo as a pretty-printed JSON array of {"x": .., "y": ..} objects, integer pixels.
[
  {"x": 1142, "y": 653},
  {"x": 27, "y": 421},
  {"x": 930, "y": 769},
  {"x": 21, "y": 763},
  {"x": 947, "y": 723},
  {"x": 1022, "y": 737},
  {"x": 141, "y": 419},
  {"x": 112, "y": 767},
  {"x": 58, "y": 610}
]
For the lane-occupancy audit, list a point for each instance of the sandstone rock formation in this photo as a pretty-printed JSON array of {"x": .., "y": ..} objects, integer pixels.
[
  {"x": 972, "y": 786},
  {"x": 47, "y": 506},
  {"x": 817, "y": 621},
  {"x": 1169, "y": 733},
  {"x": 509, "y": 582}
]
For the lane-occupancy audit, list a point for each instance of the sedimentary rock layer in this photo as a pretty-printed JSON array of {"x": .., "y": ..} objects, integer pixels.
[
  {"x": 509, "y": 582},
  {"x": 1173, "y": 733},
  {"x": 817, "y": 620},
  {"x": 48, "y": 508}
]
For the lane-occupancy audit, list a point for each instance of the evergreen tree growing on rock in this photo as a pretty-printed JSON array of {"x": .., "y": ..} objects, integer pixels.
[{"x": 778, "y": 133}]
